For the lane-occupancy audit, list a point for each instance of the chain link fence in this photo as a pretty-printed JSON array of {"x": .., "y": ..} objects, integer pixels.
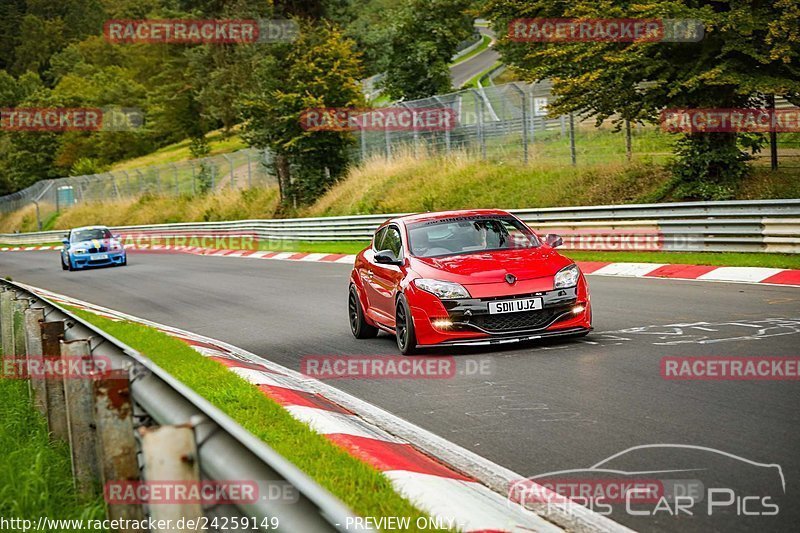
[
  {"x": 507, "y": 122},
  {"x": 510, "y": 122},
  {"x": 237, "y": 170}
]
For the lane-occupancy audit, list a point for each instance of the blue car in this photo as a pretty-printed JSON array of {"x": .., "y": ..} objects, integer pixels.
[{"x": 92, "y": 246}]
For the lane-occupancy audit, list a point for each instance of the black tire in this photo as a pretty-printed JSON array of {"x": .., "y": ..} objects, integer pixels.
[
  {"x": 124, "y": 261},
  {"x": 358, "y": 324},
  {"x": 63, "y": 266},
  {"x": 404, "y": 327}
]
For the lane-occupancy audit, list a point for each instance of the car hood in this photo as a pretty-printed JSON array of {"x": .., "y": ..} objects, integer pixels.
[
  {"x": 93, "y": 243},
  {"x": 491, "y": 267}
]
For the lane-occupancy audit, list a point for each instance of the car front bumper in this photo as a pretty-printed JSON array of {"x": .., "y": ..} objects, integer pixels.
[
  {"x": 498, "y": 340},
  {"x": 91, "y": 260},
  {"x": 468, "y": 321}
]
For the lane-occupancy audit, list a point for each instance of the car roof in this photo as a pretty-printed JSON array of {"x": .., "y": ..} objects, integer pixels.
[
  {"x": 442, "y": 215},
  {"x": 90, "y": 227}
]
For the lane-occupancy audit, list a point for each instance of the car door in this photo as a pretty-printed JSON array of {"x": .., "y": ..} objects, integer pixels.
[
  {"x": 386, "y": 279},
  {"x": 65, "y": 248},
  {"x": 366, "y": 272}
]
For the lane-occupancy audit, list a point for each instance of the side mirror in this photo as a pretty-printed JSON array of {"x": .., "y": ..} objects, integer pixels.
[
  {"x": 387, "y": 257},
  {"x": 553, "y": 240},
  {"x": 115, "y": 236},
  {"x": 65, "y": 242}
]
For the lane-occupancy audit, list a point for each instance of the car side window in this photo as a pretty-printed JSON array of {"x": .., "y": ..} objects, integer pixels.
[
  {"x": 377, "y": 241},
  {"x": 392, "y": 241}
]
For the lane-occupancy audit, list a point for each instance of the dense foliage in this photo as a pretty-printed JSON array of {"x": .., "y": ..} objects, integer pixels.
[
  {"x": 750, "y": 50},
  {"x": 54, "y": 54}
]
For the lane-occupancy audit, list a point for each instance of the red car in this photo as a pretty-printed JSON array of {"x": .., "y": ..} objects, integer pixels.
[{"x": 465, "y": 277}]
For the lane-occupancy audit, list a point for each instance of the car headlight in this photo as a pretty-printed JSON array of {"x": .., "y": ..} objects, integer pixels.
[
  {"x": 78, "y": 251},
  {"x": 115, "y": 247},
  {"x": 443, "y": 289},
  {"x": 566, "y": 277}
]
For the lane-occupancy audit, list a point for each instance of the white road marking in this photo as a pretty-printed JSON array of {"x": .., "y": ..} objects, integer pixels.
[
  {"x": 329, "y": 422},
  {"x": 751, "y": 274},
  {"x": 472, "y": 506},
  {"x": 627, "y": 269}
]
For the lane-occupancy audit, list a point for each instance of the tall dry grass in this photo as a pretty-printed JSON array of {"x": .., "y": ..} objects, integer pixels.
[
  {"x": 425, "y": 182},
  {"x": 21, "y": 220},
  {"x": 226, "y": 205}
]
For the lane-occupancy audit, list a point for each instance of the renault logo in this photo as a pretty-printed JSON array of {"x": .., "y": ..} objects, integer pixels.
[{"x": 511, "y": 279}]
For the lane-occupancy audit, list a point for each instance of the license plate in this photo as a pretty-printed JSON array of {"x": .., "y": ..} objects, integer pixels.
[
  {"x": 514, "y": 306},
  {"x": 99, "y": 257}
]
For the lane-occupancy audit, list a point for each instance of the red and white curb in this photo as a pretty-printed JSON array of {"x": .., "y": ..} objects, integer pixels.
[
  {"x": 455, "y": 486},
  {"x": 768, "y": 276}
]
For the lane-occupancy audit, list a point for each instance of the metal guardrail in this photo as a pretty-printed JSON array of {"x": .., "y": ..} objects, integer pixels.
[
  {"x": 223, "y": 449},
  {"x": 730, "y": 226}
]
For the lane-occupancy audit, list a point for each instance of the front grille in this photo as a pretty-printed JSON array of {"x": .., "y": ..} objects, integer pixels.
[
  {"x": 101, "y": 249},
  {"x": 515, "y": 321}
]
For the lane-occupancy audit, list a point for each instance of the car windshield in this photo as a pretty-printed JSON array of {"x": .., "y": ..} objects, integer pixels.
[
  {"x": 464, "y": 235},
  {"x": 89, "y": 234}
]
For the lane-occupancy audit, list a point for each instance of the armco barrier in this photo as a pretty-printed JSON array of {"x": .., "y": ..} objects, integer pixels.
[
  {"x": 730, "y": 226},
  {"x": 108, "y": 419}
]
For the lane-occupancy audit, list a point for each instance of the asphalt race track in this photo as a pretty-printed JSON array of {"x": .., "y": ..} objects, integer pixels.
[
  {"x": 544, "y": 407},
  {"x": 461, "y": 73}
]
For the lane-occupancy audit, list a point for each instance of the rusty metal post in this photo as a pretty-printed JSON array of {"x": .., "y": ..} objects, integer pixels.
[
  {"x": 116, "y": 442},
  {"x": 52, "y": 333},
  {"x": 170, "y": 454},
  {"x": 20, "y": 305},
  {"x": 7, "y": 321},
  {"x": 33, "y": 348},
  {"x": 79, "y": 396}
]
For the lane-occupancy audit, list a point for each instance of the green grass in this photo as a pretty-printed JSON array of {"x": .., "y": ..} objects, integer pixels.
[
  {"x": 365, "y": 490},
  {"x": 381, "y": 100},
  {"x": 460, "y": 181},
  {"x": 767, "y": 260},
  {"x": 2, "y": 245},
  {"x": 325, "y": 247},
  {"x": 485, "y": 41},
  {"x": 683, "y": 258},
  {"x": 473, "y": 82},
  {"x": 35, "y": 473},
  {"x": 219, "y": 143}
]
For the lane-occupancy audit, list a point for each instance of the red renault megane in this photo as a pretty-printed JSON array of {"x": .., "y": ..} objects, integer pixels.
[{"x": 465, "y": 277}]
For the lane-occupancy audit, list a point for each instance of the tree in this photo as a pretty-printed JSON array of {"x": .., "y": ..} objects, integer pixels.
[
  {"x": 369, "y": 23},
  {"x": 750, "y": 49},
  {"x": 11, "y": 13},
  {"x": 424, "y": 39},
  {"x": 320, "y": 69}
]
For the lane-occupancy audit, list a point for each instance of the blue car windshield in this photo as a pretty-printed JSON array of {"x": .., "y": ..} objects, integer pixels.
[{"x": 89, "y": 234}]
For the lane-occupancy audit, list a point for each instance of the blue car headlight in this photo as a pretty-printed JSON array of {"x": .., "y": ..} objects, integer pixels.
[{"x": 78, "y": 251}]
